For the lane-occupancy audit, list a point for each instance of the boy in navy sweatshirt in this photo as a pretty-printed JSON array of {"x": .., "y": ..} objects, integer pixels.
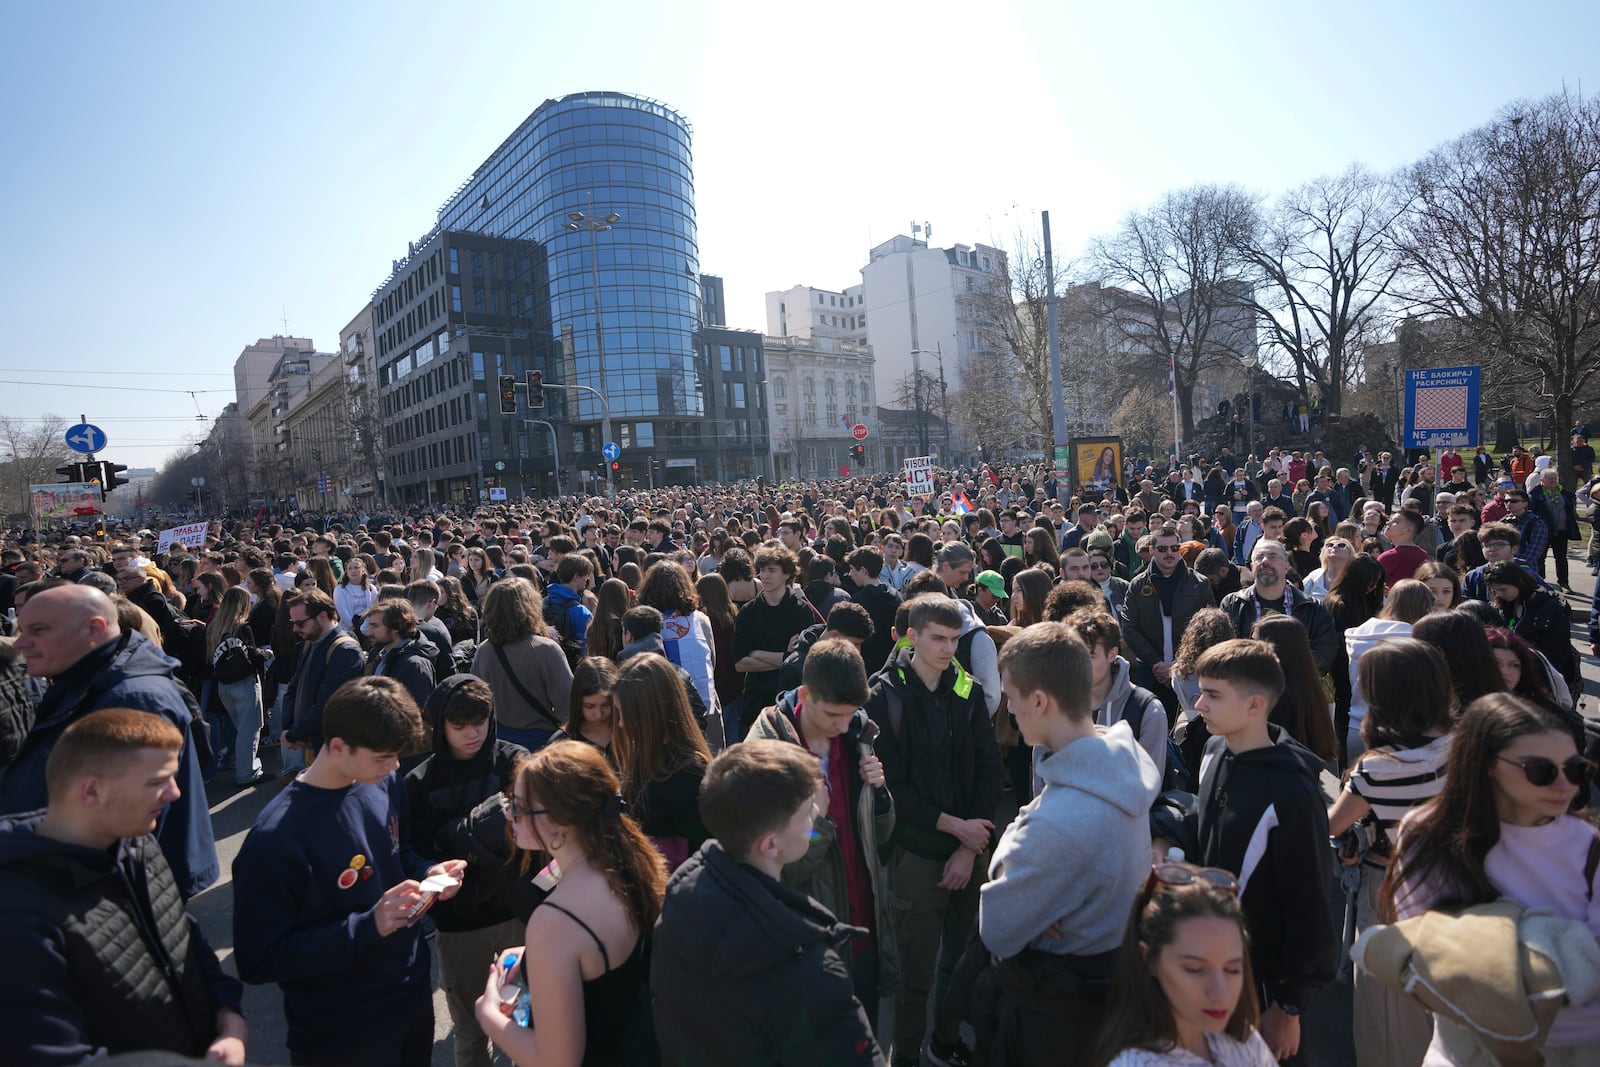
[{"x": 326, "y": 896}]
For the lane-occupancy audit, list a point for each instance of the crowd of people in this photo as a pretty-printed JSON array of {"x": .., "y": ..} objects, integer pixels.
[{"x": 818, "y": 774}]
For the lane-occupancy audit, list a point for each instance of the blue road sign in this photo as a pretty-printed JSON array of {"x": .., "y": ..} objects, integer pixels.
[
  {"x": 85, "y": 438},
  {"x": 611, "y": 451},
  {"x": 1442, "y": 407}
]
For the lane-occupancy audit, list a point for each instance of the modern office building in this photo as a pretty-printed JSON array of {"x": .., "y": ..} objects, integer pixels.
[
  {"x": 589, "y": 204},
  {"x": 736, "y": 397}
]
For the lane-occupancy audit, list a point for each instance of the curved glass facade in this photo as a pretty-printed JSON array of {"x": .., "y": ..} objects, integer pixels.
[{"x": 599, "y": 153}]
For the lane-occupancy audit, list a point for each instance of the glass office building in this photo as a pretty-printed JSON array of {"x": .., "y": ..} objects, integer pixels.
[{"x": 598, "y": 154}]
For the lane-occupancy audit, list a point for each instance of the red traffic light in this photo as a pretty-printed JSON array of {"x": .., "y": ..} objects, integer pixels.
[{"x": 615, "y": 466}]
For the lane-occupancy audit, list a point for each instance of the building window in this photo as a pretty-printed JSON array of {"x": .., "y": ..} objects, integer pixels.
[
  {"x": 644, "y": 434},
  {"x": 455, "y": 262},
  {"x": 779, "y": 390},
  {"x": 455, "y": 298}
]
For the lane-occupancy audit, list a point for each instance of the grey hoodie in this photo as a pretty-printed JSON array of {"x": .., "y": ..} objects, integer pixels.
[
  {"x": 1077, "y": 853},
  {"x": 1151, "y": 719},
  {"x": 985, "y": 665}
]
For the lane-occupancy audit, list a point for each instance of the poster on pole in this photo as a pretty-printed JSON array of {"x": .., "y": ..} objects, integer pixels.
[
  {"x": 919, "y": 476},
  {"x": 65, "y": 501},
  {"x": 190, "y": 535},
  {"x": 1442, "y": 407},
  {"x": 1096, "y": 463}
]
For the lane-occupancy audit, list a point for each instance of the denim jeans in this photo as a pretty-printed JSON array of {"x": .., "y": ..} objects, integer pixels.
[{"x": 242, "y": 701}]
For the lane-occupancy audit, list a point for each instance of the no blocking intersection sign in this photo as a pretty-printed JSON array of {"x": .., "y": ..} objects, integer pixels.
[
  {"x": 1442, "y": 407},
  {"x": 919, "y": 476}
]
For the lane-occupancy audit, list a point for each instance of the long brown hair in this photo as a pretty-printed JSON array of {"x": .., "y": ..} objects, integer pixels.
[
  {"x": 231, "y": 614},
  {"x": 1444, "y": 841},
  {"x": 657, "y": 736},
  {"x": 575, "y": 786},
  {"x": 604, "y": 637},
  {"x": 715, "y": 601},
  {"x": 1138, "y": 1014},
  {"x": 1029, "y": 589},
  {"x": 512, "y": 612},
  {"x": 1304, "y": 703}
]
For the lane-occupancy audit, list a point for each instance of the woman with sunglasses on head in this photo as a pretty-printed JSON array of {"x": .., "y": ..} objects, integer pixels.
[
  {"x": 585, "y": 982},
  {"x": 1500, "y": 828},
  {"x": 1183, "y": 993},
  {"x": 1335, "y": 557},
  {"x": 1407, "y": 736}
]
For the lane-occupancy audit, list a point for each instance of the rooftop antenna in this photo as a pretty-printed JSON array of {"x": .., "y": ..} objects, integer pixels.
[{"x": 284, "y": 312}]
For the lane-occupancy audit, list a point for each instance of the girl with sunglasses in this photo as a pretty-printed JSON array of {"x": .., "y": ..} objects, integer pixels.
[
  {"x": 1501, "y": 828},
  {"x": 1183, "y": 992}
]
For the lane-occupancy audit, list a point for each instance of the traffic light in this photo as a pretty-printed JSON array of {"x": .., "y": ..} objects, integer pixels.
[
  {"x": 508, "y": 394},
  {"x": 536, "y": 390},
  {"x": 615, "y": 466},
  {"x": 111, "y": 476},
  {"x": 859, "y": 454},
  {"x": 73, "y": 472}
]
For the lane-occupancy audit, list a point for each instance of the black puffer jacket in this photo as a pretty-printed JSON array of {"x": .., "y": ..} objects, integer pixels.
[
  {"x": 410, "y": 663},
  {"x": 730, "y": 936},
  {"x": 99, "y": 953},
  {"x": 456, "y": 814}
]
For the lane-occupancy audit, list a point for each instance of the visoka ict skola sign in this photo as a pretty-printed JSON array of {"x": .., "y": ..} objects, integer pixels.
[{"x": 1442, "y": 407}]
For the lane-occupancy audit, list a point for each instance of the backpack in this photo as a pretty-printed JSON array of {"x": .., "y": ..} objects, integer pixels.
[
  {"x": 461, "y": 654},
  {"x": 1175, "y": 774},
  {"x": 559, "y": 619}
]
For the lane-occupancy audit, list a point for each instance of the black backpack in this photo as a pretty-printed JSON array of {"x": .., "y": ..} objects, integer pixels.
[
  {"x": 559, "y": 619},
  {"x": 1175, "y": 774}
]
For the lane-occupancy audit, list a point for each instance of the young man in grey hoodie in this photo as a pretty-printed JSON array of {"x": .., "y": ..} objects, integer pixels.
[{"x": 1067, "y": 869}]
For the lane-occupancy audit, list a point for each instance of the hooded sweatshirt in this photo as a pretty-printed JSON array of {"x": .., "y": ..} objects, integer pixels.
[
  {"x": 1151, "y": 718},
  {"x": 1357, "y": 640},
  {"x": 985, "y": 665},
  {"x": 1076, "y": 853},
  {"x": 1260, "y": 814},
  {"x": 450, "y": 821}
]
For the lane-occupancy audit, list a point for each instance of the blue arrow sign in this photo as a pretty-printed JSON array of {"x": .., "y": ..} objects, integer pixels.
[
  {"x": 86, "y": 438},
  {"x": 611, "y": 451}
]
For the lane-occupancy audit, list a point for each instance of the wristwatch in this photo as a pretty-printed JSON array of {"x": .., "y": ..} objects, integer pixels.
[{"x": 1291, "y": 1010}]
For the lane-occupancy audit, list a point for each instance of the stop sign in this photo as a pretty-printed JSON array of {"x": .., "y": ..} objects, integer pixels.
[
  {"x": 859, "y": 431},
  {"x": 844, "y": 470}
]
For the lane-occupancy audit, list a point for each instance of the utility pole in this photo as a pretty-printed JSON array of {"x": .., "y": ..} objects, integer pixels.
[{"x": 1058, "y": 403}]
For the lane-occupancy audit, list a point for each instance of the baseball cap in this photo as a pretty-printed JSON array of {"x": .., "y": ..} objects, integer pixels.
[{"x": 992, "y": 581}]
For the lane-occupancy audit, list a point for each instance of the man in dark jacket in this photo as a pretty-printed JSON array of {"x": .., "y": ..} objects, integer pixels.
[
  {"x": 101, "y": 956},
  {"x": 943, "y": 769},
  {"x": 840, "y": 869},
  {"x": 424, "y": 597},
  {"x": 733, "y": 935},
  {"x": 1558, "y": 507},
  {"x": 449, "y": 819},
  {"x": 399, "y": 650},
  {"x": 848, "y": 620},
  {"x": 70, "y": 635},
  {"x": 865, "y": 568},
  {"x": 329, "y": 657},
  {"x": 1271, "y": 594},
  {"x": 1158, "y": 607}
]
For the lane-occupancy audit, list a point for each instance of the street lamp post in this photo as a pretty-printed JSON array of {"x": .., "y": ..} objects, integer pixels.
[
  {"x": 766, "y": 418},
  {"x": 577, "y": 220}
]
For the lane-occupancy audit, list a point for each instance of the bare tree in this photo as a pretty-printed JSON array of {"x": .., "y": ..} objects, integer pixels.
[
  {"x": 1502, "y": 235},
  {"x": 1325, "y": 258},
  {"x": 985, "y": 405},
  {"x": 1180, "y": 264},
  {"x": 1012, "y": 320},
  {"x": 34, "y": 448}
]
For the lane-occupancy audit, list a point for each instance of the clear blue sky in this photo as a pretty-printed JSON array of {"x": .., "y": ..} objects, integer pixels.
[{"x": 179, "y": 177}]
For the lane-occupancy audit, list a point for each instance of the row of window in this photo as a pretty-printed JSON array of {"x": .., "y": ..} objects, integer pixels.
[
  {"x": 452, "y": 412},
  {"x": 835, "y": 300},
  {"x": 428, "y": 458}
]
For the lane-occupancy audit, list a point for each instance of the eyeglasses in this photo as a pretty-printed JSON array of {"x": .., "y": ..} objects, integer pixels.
[
  {"x": 1167, "y": 550},
  {"x": 295, "y": 624},
  {"x": 1181, "y": 874},
  {"x": 520, "y": 812},
  {"x": 1336, "y": 546},
  {"x": 1541, "y": 772},
  {"x": 1099, "y": 565}
]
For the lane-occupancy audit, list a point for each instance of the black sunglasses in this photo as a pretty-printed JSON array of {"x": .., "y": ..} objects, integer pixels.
[{"x": 1541, "y": 772}]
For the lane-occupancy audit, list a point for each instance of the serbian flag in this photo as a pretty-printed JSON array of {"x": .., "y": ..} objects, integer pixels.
[{"x": 960, "y": 504}]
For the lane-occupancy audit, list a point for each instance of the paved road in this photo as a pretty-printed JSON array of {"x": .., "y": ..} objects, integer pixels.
[{"x": 1328, "y": 1023}]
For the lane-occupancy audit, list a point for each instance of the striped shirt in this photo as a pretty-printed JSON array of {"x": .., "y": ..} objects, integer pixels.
[{"x": 1392, "y": 782}]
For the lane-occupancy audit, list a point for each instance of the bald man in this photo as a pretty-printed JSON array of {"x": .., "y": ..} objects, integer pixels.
[{"x": 69, "y": 635}]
